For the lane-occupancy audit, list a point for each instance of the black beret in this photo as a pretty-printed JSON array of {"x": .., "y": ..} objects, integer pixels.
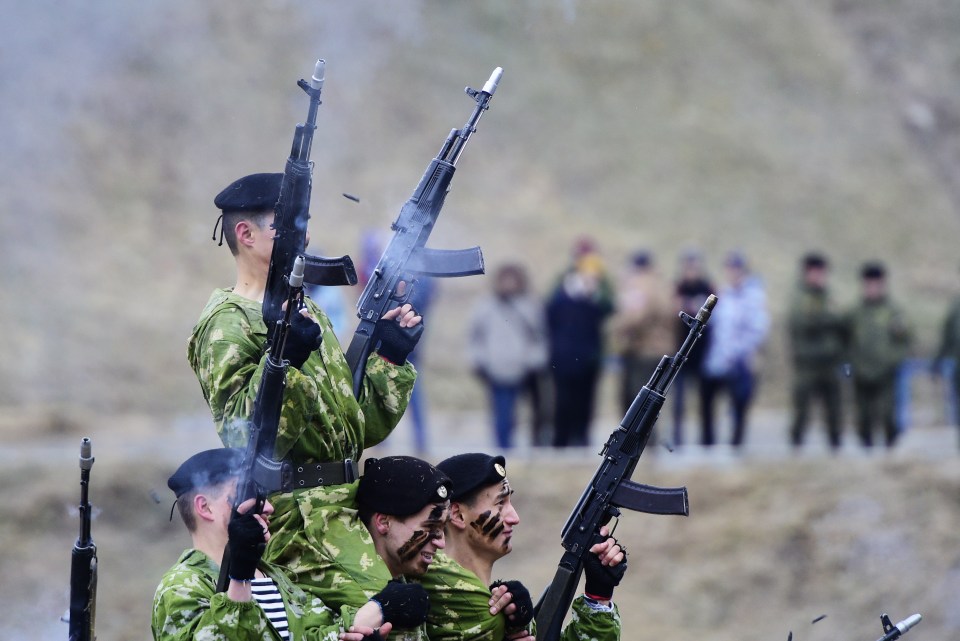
[
  {"x": 873, "y": 270},
  {"x": 256, "y": 192},
  {"x": 401, "y": 485},
  {"x": 206, "y": 469},
  {"x": 470, "y": 472},
  {"x": 814, "y": 259}
]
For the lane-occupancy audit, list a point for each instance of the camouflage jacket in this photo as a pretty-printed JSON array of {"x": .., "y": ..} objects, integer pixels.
[
  {"x": 186, "y": 606},
  {"x": 321, "y": 420},
  {"x": 879, "y": 341},
  {"x": 816, "y": 330},
  {"x": 460, "y": 609},
  {"x": 950, "y": 333}
]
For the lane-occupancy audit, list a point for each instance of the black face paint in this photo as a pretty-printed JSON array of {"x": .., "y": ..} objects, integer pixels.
[
  {"x": 417, "y": 541},
  {"x": 489, "y": 523},
  {"x": 420, "y": 538}
]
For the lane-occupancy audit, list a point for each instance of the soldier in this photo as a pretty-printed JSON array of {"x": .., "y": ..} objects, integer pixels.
[
  {"x": 404, "y": 501},
  {"x": 816, "y": 333},
  {"x": 879, "y": 342},
  {"x": 480, "y": 531},
  {"x": 950, "y": 350},
  {"x": 260, "y": 602},
  {"x": 316, "y": 536}
]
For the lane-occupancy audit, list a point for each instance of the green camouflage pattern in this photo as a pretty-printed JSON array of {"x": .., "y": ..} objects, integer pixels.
[
  {"x": 318, "y": 539},
  {"x": 186, "y": 606},
  {"x": 320, "y": 420},
  {"x": 316, "y": 535},
  {"x": 460, "y": 609}
]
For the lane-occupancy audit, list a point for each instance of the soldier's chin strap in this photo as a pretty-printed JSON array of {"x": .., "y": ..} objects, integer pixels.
[{"x": 219, "y": 224}]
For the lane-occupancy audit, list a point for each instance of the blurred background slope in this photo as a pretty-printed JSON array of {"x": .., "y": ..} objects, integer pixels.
[{"x": 773, "y": 128}]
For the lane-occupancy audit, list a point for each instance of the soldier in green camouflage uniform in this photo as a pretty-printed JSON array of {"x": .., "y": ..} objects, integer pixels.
[
  {"x": 816, "y": 332},
  {"x": 462, "y": 599},
  {"x": 316, "y": 536},
  {"x": 950, "y": 349},
  {"x": 879, "y": 342},
  {"x": 404, "y": 503},
  {"x": 187, "y": 606}
]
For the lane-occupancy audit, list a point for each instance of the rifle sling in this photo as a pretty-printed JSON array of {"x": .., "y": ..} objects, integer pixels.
[{"x": 650, "y": 499}]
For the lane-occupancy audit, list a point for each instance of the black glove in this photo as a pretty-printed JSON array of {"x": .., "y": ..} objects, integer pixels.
[
  {"x": 247, "y": 542},
  {"x": 405, "y": 605},
  {"x": 303, "y": 338},
  {"x": 523, "y": 615},
  {"x": 601, "y": 579},
  {"x": 397, "y": 342}
]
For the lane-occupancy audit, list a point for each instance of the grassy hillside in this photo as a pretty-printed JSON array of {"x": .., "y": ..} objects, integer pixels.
[
  {"x": 739, "y": 124},
  {"x": 771, "y": 542}
]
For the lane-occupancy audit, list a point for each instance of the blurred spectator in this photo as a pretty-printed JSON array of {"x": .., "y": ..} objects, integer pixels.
[
  {"x": 692, "y": 289},
  {"x": 879, "y": 342},
  {"x": 948, "y": 356},
  {"x": 508, "y": 346},
  {"x": 576, "y": 310},
  {"x": 739, "y": 327},
  {"x": 422, "y": 296},
  {"x": 643, "y": 329},
  {"x": 816, "y": 333}
]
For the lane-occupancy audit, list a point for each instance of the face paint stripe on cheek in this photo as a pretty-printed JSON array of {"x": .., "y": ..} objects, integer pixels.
[{"x": 412, "y": 547}]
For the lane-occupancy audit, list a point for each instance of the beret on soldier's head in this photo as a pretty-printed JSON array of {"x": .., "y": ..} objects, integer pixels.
[
  {"x": 206, "y": 469},
  {"x": 256, "y": 192},
  {"x": 873, "y": 270},
  {"x": 471, "y": 472},
  {"x": 401, "y": 485}
]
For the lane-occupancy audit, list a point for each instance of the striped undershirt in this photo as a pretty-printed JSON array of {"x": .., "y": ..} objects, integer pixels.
[{"x": 266, "y": 593}]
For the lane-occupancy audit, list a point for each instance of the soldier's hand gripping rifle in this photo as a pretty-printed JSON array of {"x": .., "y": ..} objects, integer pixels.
[
  {"x": 611, "y": 487},
  {"x": 406, "y": 257},
  {"x": 261, "y": 474},
  {"x": 292, "y": 214},
  {"x": 83, "y": 565}
]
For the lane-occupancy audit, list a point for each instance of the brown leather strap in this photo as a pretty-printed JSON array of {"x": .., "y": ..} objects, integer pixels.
[{"x": 324, "y": 473}]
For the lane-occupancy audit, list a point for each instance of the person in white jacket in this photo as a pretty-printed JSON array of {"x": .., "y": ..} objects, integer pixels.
[
  {"x": 508, "y": 346},
  {"x": 738, "y": 330}
]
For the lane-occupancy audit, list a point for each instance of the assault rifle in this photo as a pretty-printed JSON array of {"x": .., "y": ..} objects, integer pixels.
[
  {"x": 611, "y": 487},
  {"x": 891, "y": 632},
  {"x": 83, "y": 562},
  {"x": 292, "y": 214},
  {"x": 260, "y": 473},
  {"x": 406, "y": 257}
]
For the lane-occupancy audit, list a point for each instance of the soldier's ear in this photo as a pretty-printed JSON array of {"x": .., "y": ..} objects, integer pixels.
[
  {"x": 381, "y": 523},
  {"x": 202, "y": 507},
  {"x": 457, "y": 517}
]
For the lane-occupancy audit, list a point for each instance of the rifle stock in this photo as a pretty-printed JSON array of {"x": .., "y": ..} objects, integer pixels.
[
  {"x": 83, "y": 562},
  {"x": 406, "y": 257},
  {"x": 611, "y": 487}
]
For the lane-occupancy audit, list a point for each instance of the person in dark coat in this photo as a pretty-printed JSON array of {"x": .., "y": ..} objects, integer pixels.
[{"x": 576, "y": 311}]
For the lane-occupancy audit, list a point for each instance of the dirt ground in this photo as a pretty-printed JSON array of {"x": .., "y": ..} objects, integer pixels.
[{"x": 774, "y": 539}]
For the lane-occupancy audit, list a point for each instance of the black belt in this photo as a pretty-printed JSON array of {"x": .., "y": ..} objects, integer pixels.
[{"x": 324, "y": 473}]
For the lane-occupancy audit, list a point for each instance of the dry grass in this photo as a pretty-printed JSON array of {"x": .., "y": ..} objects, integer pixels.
[{"x": 772, "y": 541}]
